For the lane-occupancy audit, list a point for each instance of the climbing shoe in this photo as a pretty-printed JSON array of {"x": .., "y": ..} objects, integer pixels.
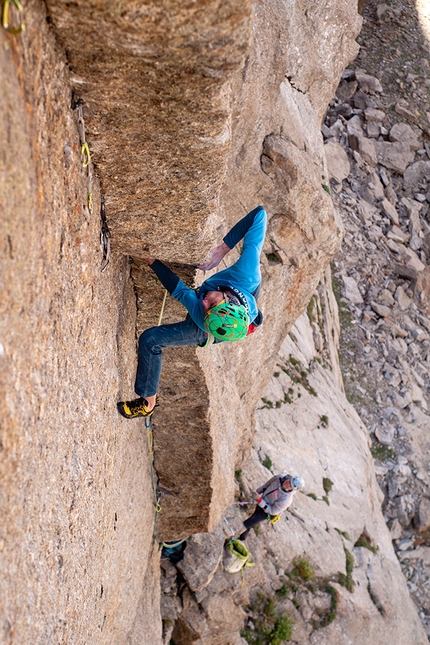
[{"x": 136, "y": 408}]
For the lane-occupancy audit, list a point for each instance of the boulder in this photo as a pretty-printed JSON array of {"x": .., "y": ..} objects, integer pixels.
[
  {"x": 385, "y": 435},
  {"x": 390, "y": 211},
  {"x": 407, "y": 114},
  {"x": 337, "y": 161},
  {"x": 371, "y": 114},
  {"x": 202, "y": 558},
  {"x": 403, "y": 133},
  {"x": 416, "y": 173},
  {"x": 422, "y": 290},
  {"x": 355, "y": 126},
  {"x": 422, "y": 518},
  {"x": 381, "y": 310},
  {"x": 394, "y": 155},
  {"x": 402, "y": 299},
  {"x": 367, "y": 83},
  {"x": 367, "y": 150},
  {"x": 346, "y": 90},
  {"x": 351, "y": 290}
]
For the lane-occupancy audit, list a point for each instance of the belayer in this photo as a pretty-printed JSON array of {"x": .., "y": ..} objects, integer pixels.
[
  {"x": 272, "y": 498},
  {"x": 224, "y": 308}
]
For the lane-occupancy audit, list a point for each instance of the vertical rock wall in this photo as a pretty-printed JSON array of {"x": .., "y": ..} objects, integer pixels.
[
  {"x": 194, "y": 114},
  {"x": 77, "y": 517}
]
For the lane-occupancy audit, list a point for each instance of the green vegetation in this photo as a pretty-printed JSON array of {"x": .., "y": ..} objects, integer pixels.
[
  {"x": 311, "y": 309},
  {"x": 267, "y": 403},
  {"x": 298, "y": 374},
  {"x": 346, "y": 580},
  {"x": 301, "y": 580},
  {"x": 238, "y": 474},
  {"x": 366, "y": 541},
  {"x": 267, "y": 462},
  {"x": 269, "y": 627},
  {"x": 326, "y": 500},
  {"x": 274, "y": 257},
  {"x": 282, "y": 591},
  {"x": 343, "y": 533},
  {"x": 313, "y": 496},
  {"x": 324, "y": 419},
  {"x": 276, "y": 374},
  {"x": 374, "y": 598},
  {"x": 383, "y": 453},
  {"x": 327, "y": 485},
  {"x": 329, "y": 616},
  {"x": 344, "y": 314},
  {"x": 302, "y": 569}
]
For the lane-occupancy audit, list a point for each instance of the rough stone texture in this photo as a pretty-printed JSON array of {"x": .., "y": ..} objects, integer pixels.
[
  {"x": 337, "y": 161},
  {"x": 171, "y": 96},
  {"x": 297, "y": 440},
  {"x": 157, "y": 105},
  {"x": 277, "y": 159},
  {"x": 76, "y": 535}
]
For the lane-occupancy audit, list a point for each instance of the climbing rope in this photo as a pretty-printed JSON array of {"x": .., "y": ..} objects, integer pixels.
[
  {"x": 148, "y": 425},
  {"x": 5, "y": 17},
  {"x": 172, "y": 545},
  {"x": 162, "y": 308},
  {"x": 150, "y": 435}
]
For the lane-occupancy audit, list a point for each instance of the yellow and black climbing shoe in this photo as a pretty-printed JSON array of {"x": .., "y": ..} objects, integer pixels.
[{"x": 136, "y": 408}]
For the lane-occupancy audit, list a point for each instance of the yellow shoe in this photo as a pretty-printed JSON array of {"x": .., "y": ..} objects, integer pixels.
[{"x": 136, "y": 408}]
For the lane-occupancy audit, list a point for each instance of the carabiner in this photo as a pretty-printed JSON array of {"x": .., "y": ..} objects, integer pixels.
[
  {"x": 5, "y": 17},
  {"x": 85, "y": 150}
]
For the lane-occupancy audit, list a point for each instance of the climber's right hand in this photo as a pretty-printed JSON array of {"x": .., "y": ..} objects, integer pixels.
[{"x": 215, "y": 257}]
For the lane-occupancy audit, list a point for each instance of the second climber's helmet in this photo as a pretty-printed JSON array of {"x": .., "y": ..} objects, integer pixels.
[
  {"x": 297, "y": 483},
  {"x": 227, "y": 321}
]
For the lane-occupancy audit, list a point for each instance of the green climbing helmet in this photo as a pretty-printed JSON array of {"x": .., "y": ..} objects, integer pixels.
[{"x": 227, "y": 321}]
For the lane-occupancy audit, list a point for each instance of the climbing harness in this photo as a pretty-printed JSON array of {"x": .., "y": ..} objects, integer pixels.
[
  {"x": 104, "y": 236},
  {"x": 5, "y": 17}
]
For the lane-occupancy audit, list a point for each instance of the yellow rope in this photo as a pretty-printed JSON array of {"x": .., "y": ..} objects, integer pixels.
[{"x": 162, "y": 308}]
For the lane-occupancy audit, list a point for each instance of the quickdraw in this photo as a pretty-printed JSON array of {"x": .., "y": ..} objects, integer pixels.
[
  {"x": 85, "y": 151},
  {"x": 5, "y": 17},
  {"x": 86, "y": 162}
]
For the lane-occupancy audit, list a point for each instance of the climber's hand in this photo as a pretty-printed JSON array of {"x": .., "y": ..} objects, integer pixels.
[
  {"x": 148, "y": 260},
  {"x": 215, "y": 257}
]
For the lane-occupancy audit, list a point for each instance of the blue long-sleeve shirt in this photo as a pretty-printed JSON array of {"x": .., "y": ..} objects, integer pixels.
[{"x": 242, "y": 278}]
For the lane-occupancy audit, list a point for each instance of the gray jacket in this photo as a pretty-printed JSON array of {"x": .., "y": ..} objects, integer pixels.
[{"x": 274, "y": 499}]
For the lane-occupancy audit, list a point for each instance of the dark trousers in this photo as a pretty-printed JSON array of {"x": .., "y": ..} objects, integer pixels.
[{"x": 258, "y": 516}]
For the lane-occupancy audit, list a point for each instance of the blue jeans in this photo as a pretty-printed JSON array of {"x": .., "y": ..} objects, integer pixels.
[{"x": 152, "y": 341}]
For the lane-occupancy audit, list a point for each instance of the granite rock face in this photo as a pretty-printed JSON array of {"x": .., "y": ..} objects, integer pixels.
[
  {"x": 77, "y": 559},
  {"x": 328, "y": 563},
  {"x": 183, "y": 106}
]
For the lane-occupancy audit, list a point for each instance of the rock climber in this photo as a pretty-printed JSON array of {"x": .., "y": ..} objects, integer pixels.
[
  {"x": 224, "y": 308},
  {"x": 272, "y": 498}
]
